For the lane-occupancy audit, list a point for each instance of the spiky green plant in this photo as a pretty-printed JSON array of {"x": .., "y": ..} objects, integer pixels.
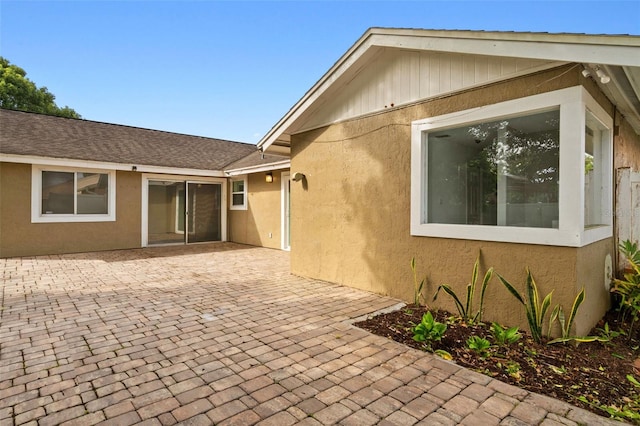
[
  {"x": 566, "y": 323},
  {"x": 466, "y": 309},
  {"x": 536, "y": 311},
  {"x": 417, "y": 287}
]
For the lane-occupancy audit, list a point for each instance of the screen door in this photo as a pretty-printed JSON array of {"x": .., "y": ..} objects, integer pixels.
[{"x": 203, "y": 212}]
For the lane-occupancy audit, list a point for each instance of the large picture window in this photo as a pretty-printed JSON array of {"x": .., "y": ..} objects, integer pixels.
[
  {"x": 533, "y": 170},
  {"x": 66, "y": 195},
  {"x": 503, "y": 172}
]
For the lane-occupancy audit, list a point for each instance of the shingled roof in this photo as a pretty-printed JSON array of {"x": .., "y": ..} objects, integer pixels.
[
  {"x": 29, "y": 134},
  {"x": 257, "y": 161}
]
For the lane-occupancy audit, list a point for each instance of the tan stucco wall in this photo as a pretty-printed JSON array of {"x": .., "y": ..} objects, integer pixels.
[
  {"x": 260, "y": 224},
  {"x": 20, "y": 237},
  {"x": 351, "y": 217},
  {"x": 592, "y": 273}
]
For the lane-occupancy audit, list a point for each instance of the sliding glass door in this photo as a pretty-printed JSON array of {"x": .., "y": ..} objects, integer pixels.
[
  {"x": 183, "y": 212},
  {"x": 204, "y": 217}
]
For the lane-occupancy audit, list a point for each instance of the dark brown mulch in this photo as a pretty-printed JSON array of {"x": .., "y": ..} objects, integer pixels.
[{"x": 595, "y": 370}]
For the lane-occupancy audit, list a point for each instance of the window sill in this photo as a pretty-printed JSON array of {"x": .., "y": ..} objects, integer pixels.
[
  {"x": 515, "y": 235},
  {"x": 73, "y": 218}
]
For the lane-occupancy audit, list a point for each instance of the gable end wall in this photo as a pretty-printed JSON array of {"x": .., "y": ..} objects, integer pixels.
[{"x": 351, "y": 218}]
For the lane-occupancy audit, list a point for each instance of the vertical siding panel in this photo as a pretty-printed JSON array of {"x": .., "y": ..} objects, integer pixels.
[
  {"x": 468, "y": 73},
  {"x": 425, "y": 75},
  {"x": 494, "y": 69},
  {"x": 402, "y": 80},
  {"x": 482, "y": 69},
  {"x": 508, "y": 66},
  {"x": 402, "y": 76},
  {"x": 445, "y": 73},
  {"x": 395, "y": 69},
  {"x": 368, "y": 87},
  {"x": 387, "y": 79},
  {"x": 354, "y": 102},
  {"x": 523, "y": 64},
  {"x": 434, "y": 74},
  {"x": 456, "y": 72},
  {"x": 414, "y": 78}
]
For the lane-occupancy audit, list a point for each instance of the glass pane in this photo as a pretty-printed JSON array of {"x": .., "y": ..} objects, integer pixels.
[
  {"x": 204, "y": 215},
  {"x": 93, "y": 193},
  {"x": 57, "y": 193},
  {"x": 238, "y": 186},
  {"x": 238, "y": 199},
  {"x": 502, "y": 173},
  {"x": 166, "y": 212},
  {"x": 595, "y": 133}
]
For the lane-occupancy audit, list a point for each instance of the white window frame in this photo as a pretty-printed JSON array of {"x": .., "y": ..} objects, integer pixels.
[
  {"x": 573, "y": 103},
  {"x": 238, "y": 178},
  {"x": 36, "y": 196}
]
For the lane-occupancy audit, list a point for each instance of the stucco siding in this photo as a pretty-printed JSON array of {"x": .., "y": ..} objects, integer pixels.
[
  {"x": 260, "y": 224},
  {"x": 351, "y": 217},
  {"x": 20, "y": 237}
]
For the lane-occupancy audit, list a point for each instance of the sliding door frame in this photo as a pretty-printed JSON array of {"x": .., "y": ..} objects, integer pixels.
[{"x": 146, "y": 177}]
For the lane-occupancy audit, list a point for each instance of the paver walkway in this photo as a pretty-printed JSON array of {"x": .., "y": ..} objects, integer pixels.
[{"x": 222, "y": 334}]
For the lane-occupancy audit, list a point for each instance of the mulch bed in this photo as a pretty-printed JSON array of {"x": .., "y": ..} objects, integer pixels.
[{"x": 595, "y": 370}]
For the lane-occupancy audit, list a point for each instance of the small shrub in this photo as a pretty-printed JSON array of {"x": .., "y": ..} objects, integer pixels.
[
  {"x": 606, "y": 335},
  {"x": 505, "y": 336},
  {"x": 629, "y": 288},
  {"x": 479, "y": 345},
  {"x": 429, "y": 330},
  {"x": 512, "y": 368}
]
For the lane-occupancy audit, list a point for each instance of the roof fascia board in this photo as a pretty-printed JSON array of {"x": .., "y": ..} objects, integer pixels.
[
  {"x": 67, "y": 162},
  {"x": 286, "y": 164},
  {"x": 534, "y": 49}
]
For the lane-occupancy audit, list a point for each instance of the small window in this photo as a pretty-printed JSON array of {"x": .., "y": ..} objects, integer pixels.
[
  {"x": 64, "y": 195},
  {"x": 239, "y": 194},
  {"x": 595, "y": 169}
]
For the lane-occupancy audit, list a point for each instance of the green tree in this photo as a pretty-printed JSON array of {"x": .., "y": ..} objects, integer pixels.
[{"x": 17, "y": 92}]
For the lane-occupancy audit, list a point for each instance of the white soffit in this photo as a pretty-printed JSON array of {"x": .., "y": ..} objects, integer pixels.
[{"x": 618, "y": 51}]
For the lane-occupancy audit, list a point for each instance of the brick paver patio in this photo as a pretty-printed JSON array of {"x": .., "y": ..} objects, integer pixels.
[{"x": 222, "y": 334}]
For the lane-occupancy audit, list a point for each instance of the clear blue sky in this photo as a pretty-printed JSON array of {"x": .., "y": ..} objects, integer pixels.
[{"x": 232, "y": 69}]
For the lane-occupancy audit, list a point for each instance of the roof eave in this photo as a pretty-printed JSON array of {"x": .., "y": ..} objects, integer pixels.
[
  {"x": 280, "y": 165},
  {"x": 91, "y": 164},
  {"x": 581, "y": 48}
]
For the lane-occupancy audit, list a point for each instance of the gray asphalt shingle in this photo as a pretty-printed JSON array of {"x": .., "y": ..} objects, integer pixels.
[{"x": 23, "y": 133}]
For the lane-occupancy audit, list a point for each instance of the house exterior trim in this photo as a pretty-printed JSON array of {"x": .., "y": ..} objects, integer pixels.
[{"x": 69, "y": 162}]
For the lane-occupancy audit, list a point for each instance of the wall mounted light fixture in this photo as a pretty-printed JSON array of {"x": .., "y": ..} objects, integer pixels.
[{"x": 268, "y": 177}]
